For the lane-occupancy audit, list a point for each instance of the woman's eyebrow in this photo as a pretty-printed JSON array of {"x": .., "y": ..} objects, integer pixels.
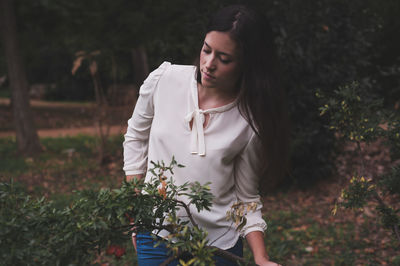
[{"x": 222, "y": 53}]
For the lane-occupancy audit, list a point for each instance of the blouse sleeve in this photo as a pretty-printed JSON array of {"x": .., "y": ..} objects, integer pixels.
[
  {"x": 246, "y": 183},
  {"x": 137, "y": 135}
]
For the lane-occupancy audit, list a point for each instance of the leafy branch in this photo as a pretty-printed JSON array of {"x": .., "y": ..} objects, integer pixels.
[{"x": 360, "y": 118}]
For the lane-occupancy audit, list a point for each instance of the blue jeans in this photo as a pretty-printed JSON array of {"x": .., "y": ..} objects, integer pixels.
[{"x": 149, "y": 255}]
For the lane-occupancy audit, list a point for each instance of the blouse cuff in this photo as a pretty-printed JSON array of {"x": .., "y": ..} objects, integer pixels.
[
  {"x": 135, "y": 172},
  {"x": 255, "y": 227},
  {"x": 255, "y": 222}
]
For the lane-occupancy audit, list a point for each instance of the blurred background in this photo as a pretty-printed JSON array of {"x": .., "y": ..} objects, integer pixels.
[{"x": 322, "y": 45}]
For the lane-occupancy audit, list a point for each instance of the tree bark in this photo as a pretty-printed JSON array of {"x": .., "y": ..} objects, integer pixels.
[
  {"x": 140, "y": 65},
  {"x": 27, "y": 137}
]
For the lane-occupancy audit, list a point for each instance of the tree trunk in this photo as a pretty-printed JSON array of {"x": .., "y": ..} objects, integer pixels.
[
  {"x": 140, "y": 65},
  {"x": 27, "y": 137}
]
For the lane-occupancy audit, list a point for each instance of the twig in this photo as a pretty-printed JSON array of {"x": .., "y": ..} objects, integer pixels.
[
  {"x": 383, "y": 205},
  {"x": 379, "y": 199},
  {"x": 172, "y": 258},
  {"x": 184, "y": 205},
  {"x": 230, "y": 256},
  {"x": 167, "y": 227},
  {"x": 361, "y": 157},
  {"x": 396, "y": 230},
  {"x": 217, "y": 251},
  {"x": 223, "y": 233}
]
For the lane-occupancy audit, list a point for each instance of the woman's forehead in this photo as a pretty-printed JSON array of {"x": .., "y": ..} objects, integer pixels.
[{"x": 221, "y": 41}]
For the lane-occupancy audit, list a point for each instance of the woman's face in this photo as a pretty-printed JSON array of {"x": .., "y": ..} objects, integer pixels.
[{"x": 220, "y": 62}]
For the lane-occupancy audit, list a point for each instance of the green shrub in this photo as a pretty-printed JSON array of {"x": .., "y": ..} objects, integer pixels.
[
  {"x": 359, "y": 118},
  {"x": 36, "y": 232}
]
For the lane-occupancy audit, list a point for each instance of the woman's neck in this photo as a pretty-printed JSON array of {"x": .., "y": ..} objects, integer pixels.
[{"x": 211, "y": 97}]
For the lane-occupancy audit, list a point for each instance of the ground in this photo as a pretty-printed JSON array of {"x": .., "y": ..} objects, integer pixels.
[
  {"x": 301, "y": 227},
  {"x": 55, "y": 119}
]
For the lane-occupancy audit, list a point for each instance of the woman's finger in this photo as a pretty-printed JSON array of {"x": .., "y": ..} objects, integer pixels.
[{"x": 134, "y": 240}]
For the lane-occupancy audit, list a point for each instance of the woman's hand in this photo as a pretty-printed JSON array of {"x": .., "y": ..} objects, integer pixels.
[
  {"x": 256, "y": 242},
  {"x": 131, "y": 177},
  {"x": 264, "y": 261},
  {"x": 128, "y": 179},
  {"x": 134, "y": 241}
]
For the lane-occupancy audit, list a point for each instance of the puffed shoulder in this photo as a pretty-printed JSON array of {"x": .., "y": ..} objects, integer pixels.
[{"x": 152, "y": 79}]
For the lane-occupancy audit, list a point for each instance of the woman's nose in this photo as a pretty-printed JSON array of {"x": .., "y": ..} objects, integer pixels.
[{"x": 210, "y": 64}]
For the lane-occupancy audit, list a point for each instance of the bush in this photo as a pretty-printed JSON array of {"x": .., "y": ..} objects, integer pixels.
[
  {"x": 36, "y": 232},
  {"x": 359, "y": 118}
]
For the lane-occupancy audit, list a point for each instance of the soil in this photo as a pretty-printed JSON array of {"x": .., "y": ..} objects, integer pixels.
[{"x": 58, "y": 119}]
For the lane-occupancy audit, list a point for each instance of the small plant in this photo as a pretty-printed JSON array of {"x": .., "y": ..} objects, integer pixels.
[{"x": 361, "y": 119}]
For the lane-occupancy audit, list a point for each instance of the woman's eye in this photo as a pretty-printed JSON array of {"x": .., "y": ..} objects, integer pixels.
[
  {"x": 225, "y": 61},
  {"x": 206, "y": 51}
]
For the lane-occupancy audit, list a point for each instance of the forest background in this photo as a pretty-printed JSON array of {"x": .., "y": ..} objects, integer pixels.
[{"x": 322, "y": 45}]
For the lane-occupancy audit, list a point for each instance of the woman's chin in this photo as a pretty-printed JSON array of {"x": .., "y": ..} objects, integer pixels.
[{"x": 207, "y": 83}]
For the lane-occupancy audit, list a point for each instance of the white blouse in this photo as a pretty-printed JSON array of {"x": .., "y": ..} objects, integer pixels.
[{"x": 223, "y": 152}]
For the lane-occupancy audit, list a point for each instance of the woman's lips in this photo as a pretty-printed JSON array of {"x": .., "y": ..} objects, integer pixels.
[{"x": 207, "y": 76}]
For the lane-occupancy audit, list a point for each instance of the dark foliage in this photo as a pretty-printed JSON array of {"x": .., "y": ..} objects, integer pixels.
[{"x": 322, "y": 45}]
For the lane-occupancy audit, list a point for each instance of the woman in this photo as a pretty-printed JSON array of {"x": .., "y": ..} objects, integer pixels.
[{"x": 224, "y": 119}]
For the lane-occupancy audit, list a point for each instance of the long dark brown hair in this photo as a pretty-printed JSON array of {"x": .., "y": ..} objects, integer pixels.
[{"x": 261, "y": 96}]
